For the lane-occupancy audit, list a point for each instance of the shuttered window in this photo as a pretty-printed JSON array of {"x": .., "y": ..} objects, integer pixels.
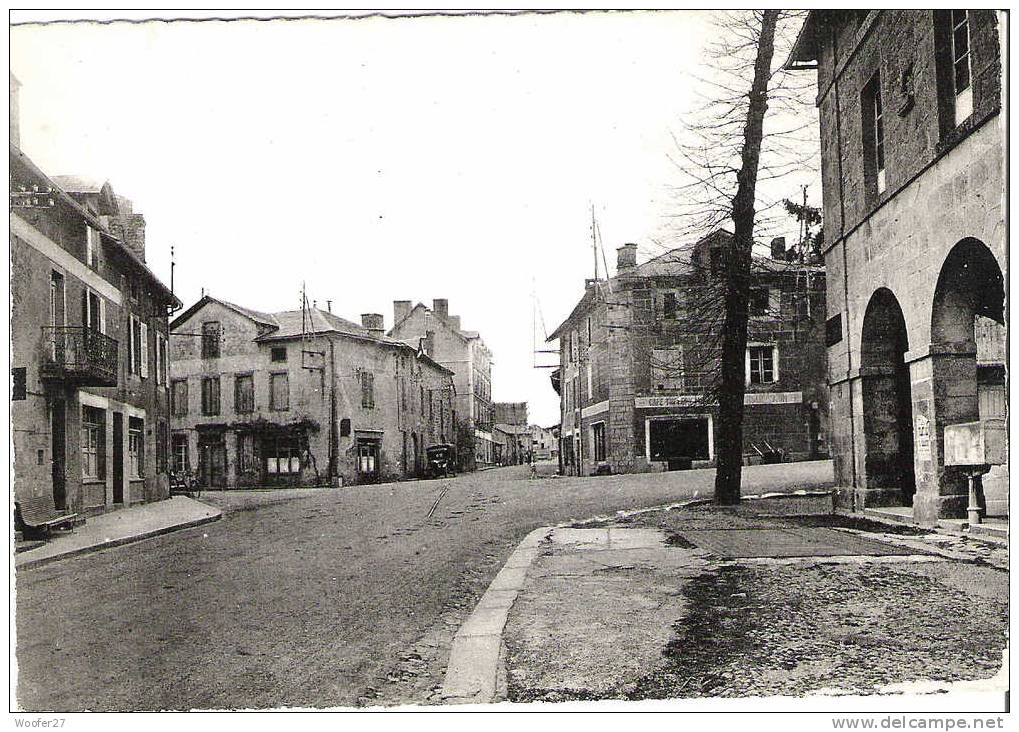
[
  {"x": 210, "y": 395},
  {"x": 244, "y": 393},
  {"x": 279, "y": 392}
]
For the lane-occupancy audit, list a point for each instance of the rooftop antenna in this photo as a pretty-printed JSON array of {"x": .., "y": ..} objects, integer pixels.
[
  {"x": 172, "y": 265},
  {"x": 594, "y": 242}
]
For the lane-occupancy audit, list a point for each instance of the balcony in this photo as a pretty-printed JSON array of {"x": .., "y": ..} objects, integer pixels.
[{"x": 79, "y": 355}]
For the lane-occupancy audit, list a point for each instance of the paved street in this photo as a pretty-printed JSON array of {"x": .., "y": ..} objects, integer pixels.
[{"x": 306, "y": 598}]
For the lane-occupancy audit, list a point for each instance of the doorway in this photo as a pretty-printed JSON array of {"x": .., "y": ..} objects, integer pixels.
[
  {"x": 678, "y": 441},
  {"x": 118, "y": 457},
  {"x": 889, "y": 475},
  {"x": 58, "y": 447},
  {"x": 368, "y": 460},
  {"x": 212, "y": 461}
]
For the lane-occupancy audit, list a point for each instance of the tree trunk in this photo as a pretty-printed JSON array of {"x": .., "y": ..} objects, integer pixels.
[{"x": 737, "y": 280}]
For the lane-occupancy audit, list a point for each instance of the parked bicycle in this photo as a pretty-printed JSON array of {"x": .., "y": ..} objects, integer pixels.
[{"x": 185, "y": 482}]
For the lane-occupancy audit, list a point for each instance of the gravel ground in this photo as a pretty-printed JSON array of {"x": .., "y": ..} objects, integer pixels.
[
  {"x": 762, "y": 629},
  {"x": 307, "y": 598},
  {"x": 794, "y": 630}
]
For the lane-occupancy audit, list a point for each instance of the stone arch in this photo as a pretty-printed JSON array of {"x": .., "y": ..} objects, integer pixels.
[
  {"x": 888, "y": 477},
  {"x": 968, "y": 360}
]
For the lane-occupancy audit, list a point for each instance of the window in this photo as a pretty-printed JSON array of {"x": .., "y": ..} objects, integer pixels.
[
  {"x": 763, "y": 364},
  {"x": 93, "y": 444},
  {"x": 669, "y": 306},
  {"x": 279, "y": 392},
  {"x": 136, "y": 447},
  {"x": 94, "y": 312},
  {"x": 244, "y": 393},
  {"x": 161, "y": 360},
  {"x": 246, "y": 453},
  {"x": 961, "y": 66},
  {"x": 590, "y": 382},
  {"x": 181, "y": 463},
  {"x": 210, "y": 339},
  {"x": 367, "y": 390},
  {"x": 717, "y": 261},
  {"x": 874, "y": 135},
  {"x": 598, "y": 441},
  {"x": 162, "y": 439},
  {"x": 345, "y": 427},
  {"x": 431, "y": 406},
  {"x": 210, "y": 395},
  {"x": 574, "y": 347},
  {"x": 138, "y": 347},
  {"x": 282, "y": 454},
  {"x": 179, "y": 398},
  {"x": 759, "y": 300},
  {"x": 667, "y": 368},
  {"x": 832, "y": 330},
  {"x": 589, "y": 338},
  {"x": 279, "y": 355},
  {"x": 422, "y": 390},
  {"x": 19, "y": 383},
  {"x": 91, "y": 246}
]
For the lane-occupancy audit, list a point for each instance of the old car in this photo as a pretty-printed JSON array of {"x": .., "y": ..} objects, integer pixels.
[{"x": 441, "y": 460}]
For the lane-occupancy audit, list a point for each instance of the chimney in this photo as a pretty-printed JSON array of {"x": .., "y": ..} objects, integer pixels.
[
  {"x": 329, "y": 305},
  {"x": 374, "y": 323},
  {"x": 401, "y": 309},
  {"x": 441, "y": 308},
  {"x": 15, "y": 113},
  {"x": 778, "y": 247},
  {"x": 428, "y": 344},
  {"x": 130, "y": 229},
  {"x": 626, "y": 258}
]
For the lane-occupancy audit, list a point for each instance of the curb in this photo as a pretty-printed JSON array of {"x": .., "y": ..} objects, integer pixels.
[
  {"x": 474, "y": 668},
  {"x": 32, "y": 563}
]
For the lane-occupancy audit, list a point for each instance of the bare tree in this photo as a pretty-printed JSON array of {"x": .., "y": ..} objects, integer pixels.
[{"x": 736, "y": 154}]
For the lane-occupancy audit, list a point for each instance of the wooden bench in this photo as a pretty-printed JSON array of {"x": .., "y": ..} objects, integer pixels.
[{"x": 37, "y": 513}]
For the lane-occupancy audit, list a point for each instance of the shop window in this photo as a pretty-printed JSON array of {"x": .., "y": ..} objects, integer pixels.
[
  {"x": 246, "y": 453},
  {"x": 282, "y": 455}
]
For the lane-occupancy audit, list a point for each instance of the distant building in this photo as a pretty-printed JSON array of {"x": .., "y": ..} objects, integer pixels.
[
  {"x": 515, "y": 443},
  {"x": 465, "y": 354},
  {"x": 913, "y": 162},
  {"x": 544, "y": 443},
  {"x": 301, "y": 398},
  {"x": 89, "y": 410},
  {"x": 510, "y": 412},
  {"x": 637, "y": 364}
]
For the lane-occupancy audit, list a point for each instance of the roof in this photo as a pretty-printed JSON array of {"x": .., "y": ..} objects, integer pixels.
[
  {"x": 804, "y": 50},
  {"x": 679, "y": 262},
  {"x": 465, "y": 335},
  {"x": 513, "y": 429},
  {"x": 95, "y": 223},
  {"x": 77, "y": 183},
  {"x": 290, "y": 324}
]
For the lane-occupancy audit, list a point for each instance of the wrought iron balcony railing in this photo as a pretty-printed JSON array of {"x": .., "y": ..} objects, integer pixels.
[{"x": 79, "y": 355}]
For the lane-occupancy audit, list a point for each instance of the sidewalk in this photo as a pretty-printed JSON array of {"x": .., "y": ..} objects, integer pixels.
[
  {"x": 713, "y": 602},
  {"x": 121, "y": 527}
]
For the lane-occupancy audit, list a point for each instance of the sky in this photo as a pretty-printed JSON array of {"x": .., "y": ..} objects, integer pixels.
[{"x": 377, "y": 159}]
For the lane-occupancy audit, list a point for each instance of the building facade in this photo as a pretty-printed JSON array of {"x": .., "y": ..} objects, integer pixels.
[
  {"x": 465, "y": 354},
  {"x": 301, "y": 398},
  {"x": 544, "y": 443},
  {"x": 639, "y": 357},
  {"x": 89, "y": 410},
  {"x": 913, "y": 167}
]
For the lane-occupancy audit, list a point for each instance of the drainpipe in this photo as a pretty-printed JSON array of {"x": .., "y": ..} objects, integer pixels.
[
  {"x": 845, "y": 268},
  {"x": 334, "y": 446}
]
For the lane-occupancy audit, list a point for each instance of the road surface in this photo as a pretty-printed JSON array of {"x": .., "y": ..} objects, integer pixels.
[{"x": 306, "y": 598}]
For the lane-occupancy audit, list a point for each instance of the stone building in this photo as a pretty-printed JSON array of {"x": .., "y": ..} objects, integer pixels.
[
  {"x": 913, "y": 166},
  {"x": 301, "y": 398},
  {"x": 509, "y": 412},
  {"x": 544, "y": 443},
  {"x": 89, "y": 409},
  {"x": 637, "y": 364},
  {"x": 464, "y": 353}
]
